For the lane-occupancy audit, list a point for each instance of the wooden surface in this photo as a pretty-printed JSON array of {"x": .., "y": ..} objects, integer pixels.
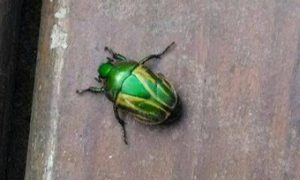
[{"x": 236, "y": 67}]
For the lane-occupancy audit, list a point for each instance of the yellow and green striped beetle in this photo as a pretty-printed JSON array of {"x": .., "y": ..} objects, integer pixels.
[{"x": 133, "y": 87}]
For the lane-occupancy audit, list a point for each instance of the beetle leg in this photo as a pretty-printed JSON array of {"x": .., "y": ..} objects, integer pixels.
[
  {"x": 157, "y": 56},
  {"x": 91, "y": 89},
  {"x": 122, "y": 123},
  {"x": 117, "y": 56}
]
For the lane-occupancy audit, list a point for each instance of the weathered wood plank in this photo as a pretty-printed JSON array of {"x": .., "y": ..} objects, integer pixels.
[{"x": 236, "y": 68}]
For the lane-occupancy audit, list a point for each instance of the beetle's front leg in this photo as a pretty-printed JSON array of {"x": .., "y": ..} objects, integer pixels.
[
  {"x": 116, "y": 56},
  {"x": 122, "y": 123},
  {"x": 91, "y": 89},
  {"x": 157, "y": 56}
]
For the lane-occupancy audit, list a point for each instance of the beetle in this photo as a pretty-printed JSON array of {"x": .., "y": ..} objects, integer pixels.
[{"x": 134, "y": 88}]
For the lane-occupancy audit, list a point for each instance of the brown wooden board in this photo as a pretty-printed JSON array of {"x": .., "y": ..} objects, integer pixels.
[{"x": 235, "y": 67}]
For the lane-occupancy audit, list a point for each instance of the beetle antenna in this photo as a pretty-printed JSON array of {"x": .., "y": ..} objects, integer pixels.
[
  {"x": 167, "y": 49},
  {"x": 157, "y": 56}
]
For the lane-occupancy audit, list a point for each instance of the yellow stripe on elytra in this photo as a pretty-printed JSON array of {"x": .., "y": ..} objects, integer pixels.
[
  {"x": 144, "y": 120},
  {"x": 140, "y": 72},
  {"x": 166, "y": 83},
  {"x": 128, "y": 101},
  {"x": 163, "y": 89}
]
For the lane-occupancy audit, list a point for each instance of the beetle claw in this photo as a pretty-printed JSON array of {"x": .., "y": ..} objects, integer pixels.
[
  {"x": 108, "y": 50},
  {"x": 79, "y": 91}
]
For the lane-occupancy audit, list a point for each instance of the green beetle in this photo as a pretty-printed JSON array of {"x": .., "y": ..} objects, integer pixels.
[{"x": 133, "y": 87}]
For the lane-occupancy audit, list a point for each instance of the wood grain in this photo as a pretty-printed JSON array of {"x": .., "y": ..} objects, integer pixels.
[{"x": 235, "y": 66}]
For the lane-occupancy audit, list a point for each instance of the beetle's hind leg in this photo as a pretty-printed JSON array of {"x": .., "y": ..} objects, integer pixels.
[
  {"x": 116, "y": 56},
  {"x": 122, "y": 123},
  {"x": 157, "y": 56}
]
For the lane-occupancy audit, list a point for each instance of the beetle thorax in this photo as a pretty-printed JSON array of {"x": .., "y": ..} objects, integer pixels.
[{"x": 104, "y": 69}]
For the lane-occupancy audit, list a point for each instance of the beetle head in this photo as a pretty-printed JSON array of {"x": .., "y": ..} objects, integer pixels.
[{"x": 104, "y": 69}]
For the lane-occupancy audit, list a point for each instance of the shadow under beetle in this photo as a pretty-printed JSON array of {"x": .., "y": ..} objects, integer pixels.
[{"x": 134, "y": 88}]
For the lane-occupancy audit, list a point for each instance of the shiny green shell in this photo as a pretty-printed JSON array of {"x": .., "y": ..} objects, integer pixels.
[{"x": 136, "y": 89}]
